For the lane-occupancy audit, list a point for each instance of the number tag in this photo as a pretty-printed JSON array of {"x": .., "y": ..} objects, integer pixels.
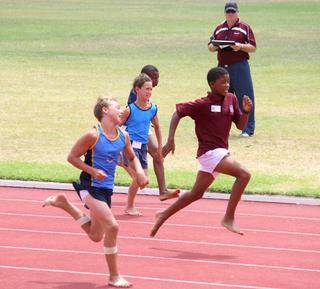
[
  {"x": 136, "y": 144},
  {"x": 215, "y": 108}
]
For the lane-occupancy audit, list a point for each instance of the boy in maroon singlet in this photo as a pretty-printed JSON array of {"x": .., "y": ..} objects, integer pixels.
[{"x": 213, "y": 116}]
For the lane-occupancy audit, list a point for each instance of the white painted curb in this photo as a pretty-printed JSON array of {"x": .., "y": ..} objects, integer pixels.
[{"x": 154, "y": 192}]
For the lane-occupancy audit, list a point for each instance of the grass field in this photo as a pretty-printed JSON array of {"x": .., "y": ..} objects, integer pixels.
[{"x": 58, "y": 56}]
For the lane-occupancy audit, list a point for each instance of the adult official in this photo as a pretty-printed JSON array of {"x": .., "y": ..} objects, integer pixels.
[{"x": 234, "y": 57}]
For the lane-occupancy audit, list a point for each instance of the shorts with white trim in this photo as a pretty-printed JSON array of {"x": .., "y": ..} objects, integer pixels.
[
  {"x": 209, "y": 161},
  {"x": 101, "y": 194}
]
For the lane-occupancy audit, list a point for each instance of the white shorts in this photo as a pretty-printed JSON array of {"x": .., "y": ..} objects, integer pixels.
[{"x": 211, "y": 159}]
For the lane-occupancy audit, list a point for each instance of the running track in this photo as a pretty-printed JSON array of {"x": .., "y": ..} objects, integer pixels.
[{"x": 44, "y": 248}]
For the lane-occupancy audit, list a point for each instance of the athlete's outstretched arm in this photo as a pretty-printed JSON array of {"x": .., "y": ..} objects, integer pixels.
[
  {"x": 247, "y": 106},
  {"x": 170, "y": 145},
  {"x": 156, "y": 125}
]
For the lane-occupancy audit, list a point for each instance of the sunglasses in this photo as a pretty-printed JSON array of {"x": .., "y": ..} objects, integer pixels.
[{"x": 231, "y": 12}]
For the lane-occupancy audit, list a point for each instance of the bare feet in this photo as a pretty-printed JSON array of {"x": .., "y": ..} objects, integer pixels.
[
  {"x": 55, "y": 201},
  {"x": 231, "y": 226},
  {"x": 133, "y": 211},
  {"x": 169, "y": 195},
  {"x": 61, "y": 201},
  {"x": 159, "y": 220},
  {"x": 119, "y": 282}
]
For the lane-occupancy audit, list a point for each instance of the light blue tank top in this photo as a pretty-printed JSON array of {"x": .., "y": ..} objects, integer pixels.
[
  {"x": 138, "y": 122},
  {"x": 104, "y": 155}
]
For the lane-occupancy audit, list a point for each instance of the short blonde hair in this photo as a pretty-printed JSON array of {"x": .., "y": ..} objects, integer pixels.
[{"x": 102, "y": 101}]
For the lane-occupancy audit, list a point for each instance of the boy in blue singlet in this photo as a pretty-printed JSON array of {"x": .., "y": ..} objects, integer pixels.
[
  {"x": 137, "y": 118},
  {"x": 164, "y": 193},
  {"x": 101, "y": 147}
]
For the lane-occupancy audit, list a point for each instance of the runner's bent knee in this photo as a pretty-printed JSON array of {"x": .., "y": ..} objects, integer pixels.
[
  {"x": 96, "y": 237},
  {"x": 244, "y": 174},
  {"x": 112, "y": 229}
]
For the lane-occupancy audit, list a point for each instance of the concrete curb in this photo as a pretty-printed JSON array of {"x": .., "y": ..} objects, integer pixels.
[{"x": 154, "y": 192}]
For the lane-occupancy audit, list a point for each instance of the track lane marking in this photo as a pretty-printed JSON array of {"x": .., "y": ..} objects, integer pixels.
[
  {"x": 185, "y": 210},
  {"x": 173, "y": 224},
  {"x": 168, "y": 240},
  {"x": 134, "y": 277},
  {"x": 166, "y": 258}
]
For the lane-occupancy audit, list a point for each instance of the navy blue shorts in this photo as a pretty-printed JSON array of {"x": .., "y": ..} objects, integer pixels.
[
  {"x": 101, "y": 194},
  {"x": 141, "y": 154}
]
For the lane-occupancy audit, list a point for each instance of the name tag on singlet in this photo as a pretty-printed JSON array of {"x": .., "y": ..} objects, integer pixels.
[
  {"x": 215, "y": 108},
  {"x": 136, "y": 144}
]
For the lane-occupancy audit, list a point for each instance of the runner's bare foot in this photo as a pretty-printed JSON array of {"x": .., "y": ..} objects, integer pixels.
[
  {"x": 132, "y": 212},
  {"x": 231, "y": 226},
  {"x": 119, "y": 282},
  {"x": 169, "y": 195},
  {"x": 158, "y": 223},
  {"x": 55, "y": 201}
]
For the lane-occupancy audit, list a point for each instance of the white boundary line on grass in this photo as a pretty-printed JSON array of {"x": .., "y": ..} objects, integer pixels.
[{"x": 154, "y": 192}]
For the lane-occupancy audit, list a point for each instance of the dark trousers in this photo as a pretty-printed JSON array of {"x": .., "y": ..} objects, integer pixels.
[{"x": 241, "y": 84}]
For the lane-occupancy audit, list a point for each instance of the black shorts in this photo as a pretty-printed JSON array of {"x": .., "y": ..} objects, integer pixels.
[{"x": 101, "y": 194}]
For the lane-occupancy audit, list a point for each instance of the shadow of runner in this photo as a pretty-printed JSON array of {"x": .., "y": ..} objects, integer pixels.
[{"x": 196, "y": 255}]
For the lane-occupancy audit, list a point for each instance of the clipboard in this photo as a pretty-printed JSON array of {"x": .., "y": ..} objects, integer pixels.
[{"x": 223, "y": 42}]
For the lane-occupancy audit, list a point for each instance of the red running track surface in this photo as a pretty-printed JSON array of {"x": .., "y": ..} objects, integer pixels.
[{"x": 44, "y": 248}]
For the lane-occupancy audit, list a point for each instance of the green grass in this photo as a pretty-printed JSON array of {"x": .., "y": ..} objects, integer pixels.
[
  {"x": 260, "y": 183},
  {"x": 57, "y": 56}
]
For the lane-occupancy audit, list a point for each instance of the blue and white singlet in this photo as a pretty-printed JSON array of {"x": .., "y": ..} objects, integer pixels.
[{"x": 104, "y": 156}]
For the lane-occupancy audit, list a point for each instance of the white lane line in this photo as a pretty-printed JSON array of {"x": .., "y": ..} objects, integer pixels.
[
  {"x": 34, "y": 215},
  {"x": 221, "y": 228},
  {"x": 176, "y": 225},
  {"x": 134, "y": 277},
  {"x": 166, "y": 258},
  {"x": 169, "y": 241},
  {"x": 184, "y": 210}
]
